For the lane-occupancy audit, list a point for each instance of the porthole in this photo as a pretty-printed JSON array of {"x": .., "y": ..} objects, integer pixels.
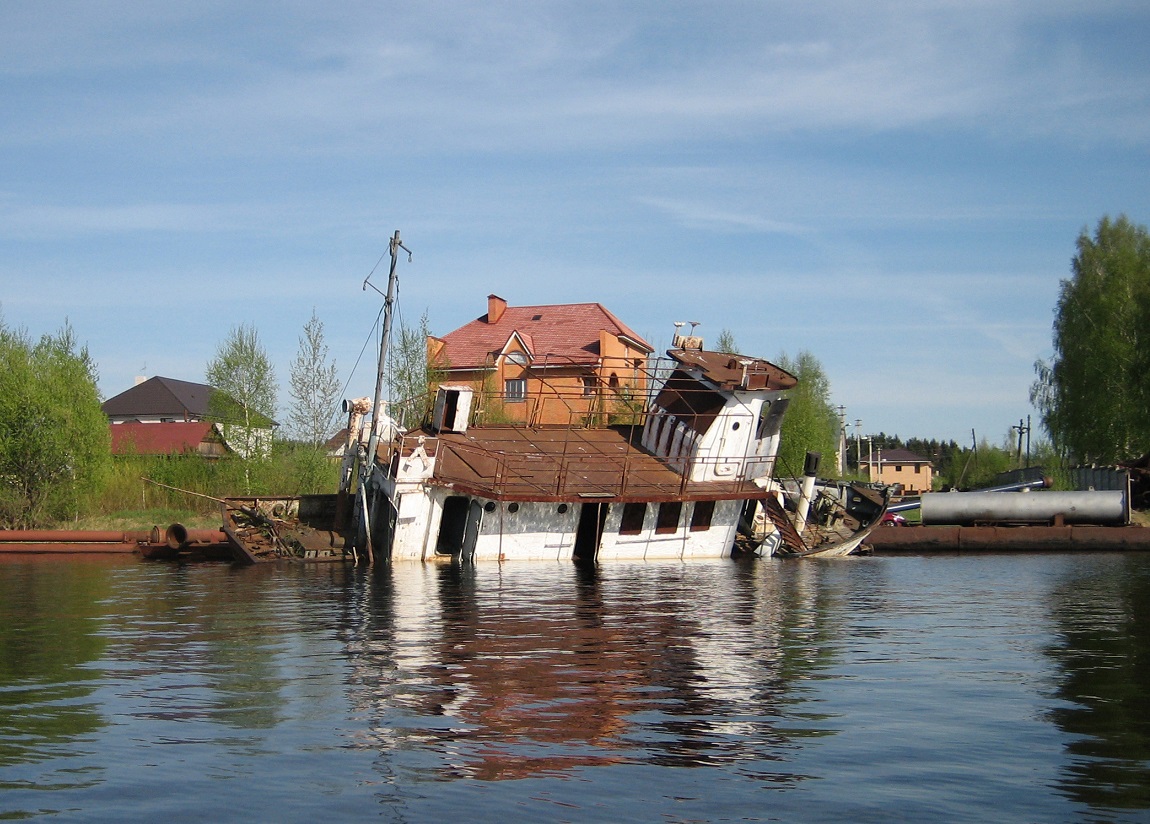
[
  {"x": 513, "y": 507},
  {"x": 562, "y": 509},
  {"x": 735, "y": 425},
  {"x": 489, "y": 506}
]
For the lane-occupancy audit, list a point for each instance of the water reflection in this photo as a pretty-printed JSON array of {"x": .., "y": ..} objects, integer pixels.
[
  {"x": 510, "y": 671},
  {"x": 47, "y": 640},
  {"x": 1103, "y": 614}
]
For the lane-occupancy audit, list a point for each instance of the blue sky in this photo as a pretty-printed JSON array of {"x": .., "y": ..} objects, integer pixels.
[{"x": 896, "y": 187}]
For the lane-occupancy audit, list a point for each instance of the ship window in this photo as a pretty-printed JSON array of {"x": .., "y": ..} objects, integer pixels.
[
  {"x": 515, "y": 391},
  {"x": 701, "y": 515},
  {"x": 632, "y": 522},
  {"x": 771, "y": 418},
  {"x": 668, "y": 520}
]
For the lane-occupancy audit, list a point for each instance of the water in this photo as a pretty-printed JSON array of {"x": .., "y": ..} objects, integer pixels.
[{"x": 1000, "y": 688}]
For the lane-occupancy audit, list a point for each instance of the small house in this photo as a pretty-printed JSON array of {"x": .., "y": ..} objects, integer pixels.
[{"x": 911, "y": 473}]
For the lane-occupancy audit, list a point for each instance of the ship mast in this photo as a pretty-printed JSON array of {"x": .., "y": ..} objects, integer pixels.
[{"x": 388, "y": 305}]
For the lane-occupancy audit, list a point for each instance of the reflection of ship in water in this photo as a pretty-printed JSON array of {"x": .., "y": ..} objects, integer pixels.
[
  {"x": 504, "y": 676},
  {"x": 1105, "y": 660}
]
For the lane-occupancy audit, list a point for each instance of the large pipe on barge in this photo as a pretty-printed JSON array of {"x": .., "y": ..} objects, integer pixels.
[{"x": 1105, "y": 507}]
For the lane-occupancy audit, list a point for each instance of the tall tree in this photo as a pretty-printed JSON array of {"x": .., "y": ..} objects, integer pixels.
[
  {"x": 246, "y": 400},
  {"x": 314, "y": 386},
  {"x": 54, "y": 444},
  {"x": 810, "y": 424},
  {"x": 410, "y": 377},
  {"x": 1095, "y": 392}
]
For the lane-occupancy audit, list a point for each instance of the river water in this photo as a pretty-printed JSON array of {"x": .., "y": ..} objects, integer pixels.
[{"x": 1007, "y": 688}]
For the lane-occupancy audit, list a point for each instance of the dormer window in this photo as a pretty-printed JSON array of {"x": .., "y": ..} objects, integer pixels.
[{"x": 516, "y": 358}]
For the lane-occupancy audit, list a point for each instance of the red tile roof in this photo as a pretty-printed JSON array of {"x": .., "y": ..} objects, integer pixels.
[
  {"x": 159, "y": 438},
  {"x": 561, "y": 333}
]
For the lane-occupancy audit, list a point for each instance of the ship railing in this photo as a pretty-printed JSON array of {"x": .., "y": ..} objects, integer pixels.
[{"x": 565, "y": 475}]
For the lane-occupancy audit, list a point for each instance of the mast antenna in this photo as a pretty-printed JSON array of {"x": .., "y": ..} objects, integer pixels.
[{"x": 388, "y": 304}]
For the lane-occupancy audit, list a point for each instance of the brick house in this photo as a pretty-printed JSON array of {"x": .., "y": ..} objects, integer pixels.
[
  {"x": 540, "y": 365},
  {"x": 899, "y": 466}
]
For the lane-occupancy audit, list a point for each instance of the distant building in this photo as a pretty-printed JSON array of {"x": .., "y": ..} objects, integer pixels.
[
  {"x": 160, "y": 400},
  {"x": 912, "y": 473},
  {"x": 170, "y": 406},
  {"x": 191, "y": 438},
  {"x": 545, "y": 364}
]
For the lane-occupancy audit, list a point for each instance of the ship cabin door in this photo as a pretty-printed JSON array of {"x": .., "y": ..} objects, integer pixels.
[
  {"x": 459, "y": 527},
  {"x": 589, "y": 532}
]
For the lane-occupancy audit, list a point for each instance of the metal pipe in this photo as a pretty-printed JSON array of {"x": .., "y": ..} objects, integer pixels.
[
  {"x": 71, "y": 536},
  {"x": 810, "y": 471},
  {"x": 964, "y": 508}
]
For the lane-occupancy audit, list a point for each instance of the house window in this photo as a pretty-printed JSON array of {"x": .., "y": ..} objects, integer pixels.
[
  {"x": 633, "y": 515},
  {"x": 515, "y": 391},
  {"x": 701, "y": 515},
  {"x": 517, "y": 358},
  {"x": 668, "y": 520},
  {"x": 918, "y": 469},
  {"x": 588, "y": 386}
]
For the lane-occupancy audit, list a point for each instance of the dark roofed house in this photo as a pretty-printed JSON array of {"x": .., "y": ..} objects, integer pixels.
[
  {"x": 545, "y": 364},
  {"x": 160, "y": 400},
  {"x": 168, "y": 405}
]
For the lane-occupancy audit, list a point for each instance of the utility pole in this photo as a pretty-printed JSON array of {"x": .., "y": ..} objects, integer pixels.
[{"x": 842, "y": 445}]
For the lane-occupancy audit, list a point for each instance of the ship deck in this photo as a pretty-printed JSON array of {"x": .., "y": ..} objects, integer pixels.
[{"x": 563, "y": 464}]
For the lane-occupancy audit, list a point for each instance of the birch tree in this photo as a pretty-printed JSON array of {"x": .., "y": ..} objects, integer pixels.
[
  {"x": 315, "y": 386},
  {"x": 245, "y": 402}
]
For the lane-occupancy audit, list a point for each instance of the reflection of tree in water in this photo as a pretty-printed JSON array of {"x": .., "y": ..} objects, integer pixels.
[
  {"x": 1105, "y": 659},
  {"x": 508, "y": 672},
  {"x": 49, "y": 622}
]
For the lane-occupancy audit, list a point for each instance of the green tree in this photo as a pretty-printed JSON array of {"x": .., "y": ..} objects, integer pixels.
[
  {"x": 1095, "y": 392},
  {"x": 314, "y": 385},
  {"x": 726, "y": 343},
  {"x": 410, "y": 377},
  {"x": 810, "y": 424},
  {"x": 55, "y": 449},
  {"x": 245, "y": 400}
]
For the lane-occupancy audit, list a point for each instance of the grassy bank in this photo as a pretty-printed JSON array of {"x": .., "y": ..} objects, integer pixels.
[
  {"x": 145, "y": 491},
  {"x": 144, "y": 519}
]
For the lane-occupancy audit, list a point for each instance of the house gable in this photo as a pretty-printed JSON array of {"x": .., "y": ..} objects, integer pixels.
[
  {"x": 544, "y": 364},
  {"x": 557, "y": 334}
]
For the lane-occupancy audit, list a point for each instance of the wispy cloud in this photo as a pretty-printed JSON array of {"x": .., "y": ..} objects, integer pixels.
[{"x": 697, "y": 215}]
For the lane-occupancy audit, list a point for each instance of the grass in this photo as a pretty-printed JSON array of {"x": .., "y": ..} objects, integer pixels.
[{"x": 143, "y": 519}]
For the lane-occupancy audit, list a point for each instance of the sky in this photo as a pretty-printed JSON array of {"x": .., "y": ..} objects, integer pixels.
[{"x": 894, "y": 187}]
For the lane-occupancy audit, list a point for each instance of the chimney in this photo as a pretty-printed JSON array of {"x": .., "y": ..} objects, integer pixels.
[{"x": 495, "y": 308}]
